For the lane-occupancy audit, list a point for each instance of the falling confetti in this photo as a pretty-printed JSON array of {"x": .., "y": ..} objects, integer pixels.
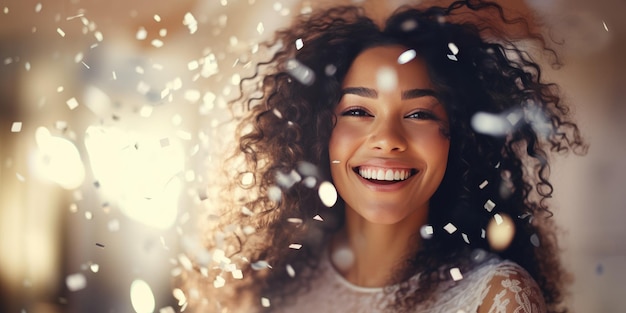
[
  {"x": 500, "y": 232},
  {"x": 76, "y": 282},
  {"x": 407, "y": 56},
  {"x": 450, "y": 228},
  {"x": 191, "y": 23},
  {"x": 427, "y": 231},
  {"x": 605, "y": 26},
  {"x": 455, "y": 273},
  {"x": 72, "y": 103},
  {"x": 141, "y": 297},
  {"x": 386, "y": 79},
  {"x": 265, "y": 302},
  {"x": 300, "y": 72},
  {"x": 489, "y": 205},
  {"x": 290, "y": 271},
  {"x": 328, "y": 194},
  {"x": 16, "y": 127},
  {"x": 295, "y": 246},
  {"x": 60, "y": 32},
  {"x": 490, "y": 124},
  {"x": 299, "y": 44}
]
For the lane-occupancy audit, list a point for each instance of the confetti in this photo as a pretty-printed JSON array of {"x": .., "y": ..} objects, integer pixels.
[
  {"x": 260, "y": 28},
  {"x": 141, "y": 296},
  {"x": 274, "y": 193},
  {"x": 309, "y": 182},
  {"x": 167, "y": 309},
  {"x": 489, "y": 205},
  {"x": 99, "y": 245},
  {"x": 76, "y": 282},
  {"x": 409, "y": 25},
  {"x": 605, "y": 26},
  {"x": 113, "y": 225},
  {"x": 219, "y": 282},
  {"x": 299, "y": 44},
  {"x": 246, "y": 211},
  {"x": 259, "y": 265},
  {"x": 427, "y": 231},
  {"x": 450, "y": 228},
  {"x": 94, "y": 268},
  {"x": 455, "y": 273},
  {"x": 72, "y": 103},
  {"x": 318, "y": 218},
  {"x": 247, "y": 179},
  {"x": 180, "y": 296},
  {"x": 290, "y": 271},
  {"x": 16, "y": 127},
  {"x": 237, "y": 274},
  {"x": 534, "y": 240},
  {"x": 490, "y": 124},
  {"x": 465, "y": 238},
  {"x": 300, "y": 72},
  {"x": 407, "y": 56},
  {"x": 157, "y": 18},
  {"x": 386, "y": 79},
  {"x": 295, "y": 246},
  {"x": 157, "y": 43},
  {"x": 294, "y": 220},
  {"x": 343, "y": 258},
  {"x": 483, "y": 184},
  {"x": 265, "y": 302},
  {"x": 190, "y": 22},
  {"x": 61, "y": 32},
  {"x": 142, "y": 34},
  {"x": 327, "y": 193},
  {"x": 330, "y": 70}
]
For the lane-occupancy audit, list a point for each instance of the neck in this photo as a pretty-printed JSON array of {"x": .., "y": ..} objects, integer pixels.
[{"x": 378, "y": 250}]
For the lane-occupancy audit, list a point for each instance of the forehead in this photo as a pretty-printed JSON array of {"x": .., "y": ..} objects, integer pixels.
[{"x": 375, "y": 65}]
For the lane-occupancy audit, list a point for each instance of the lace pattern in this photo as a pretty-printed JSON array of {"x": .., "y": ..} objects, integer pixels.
[{"x": 494, "y": 286}]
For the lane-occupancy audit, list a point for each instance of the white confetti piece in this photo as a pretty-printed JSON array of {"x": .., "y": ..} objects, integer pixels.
[
  {"x": 142, "y": 34},
  {"x": 330, "y": 70},
  {"x": 146, "y": 111},
  {"x": 455, "y": 273},
  {"x": 61, "y": 32},
  {"x": 489, "y": 205},
  {"x": 274, "y": 193},
  {"x": 327, "y": 193},
  {"x": 483, "y": 184},
  {"x": 190, "y": 21},
  {"x": 88, "y": 215},
  {"x": 318, "y": 218},
  {"x": 407, "y": 56},
  {"x": 300, "y": 72},
  {"x": 16, "y": 127},
  {"x": 246, "y": 211},
  {"x": 290, "y": 271},
  {"x": 94, "y": 268},
  {"x": 409, "y": 25},
  {"x": 162, "y": 32},
  {"x": 490, "y": 124},
  {"x": 465, "y": 238},
  {"x": 76, "y": 282},
  {"x": 157, "y": 18},
  {"x": 72, "y": 103},
  {"x": 299, "y": 43},
  {"x": 386, "y": 79},
  {"x": 247, "y": 179},
  {"x": 167, "y": 309},
  {"x": 534, "y": 240},
  {"x": 295, "y": 246},
  {"x": 141, "y": 297},
  {"x": 259, "y": 265},
  {"x": 193, "y": 65},
  {"x": 27, "y": 66},
  {"x": 605, "y": 26},
  {"x": 310, "y": 182},
  {"x": 259, "y": 28},
  {"x": 98, "y": 35},
  {"x": 157, "y": 43},
  {"x": 237, "y": 274},
  {"x": 38, "y": 7},
  {"x": 265, "y": 302},
  {"x": 180, "y": 296},
  {"x": 450, "y": 228},
  {"x": 427, "y": 231},
  {"x": 294, "y": 220},
  {"x": 219, "y": 282}
]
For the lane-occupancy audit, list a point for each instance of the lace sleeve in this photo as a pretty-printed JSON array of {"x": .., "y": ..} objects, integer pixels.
[{"x": 512, "y": 290}]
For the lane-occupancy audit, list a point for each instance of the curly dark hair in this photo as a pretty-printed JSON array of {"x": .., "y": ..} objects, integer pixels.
[{"x": 288, "y": 120}]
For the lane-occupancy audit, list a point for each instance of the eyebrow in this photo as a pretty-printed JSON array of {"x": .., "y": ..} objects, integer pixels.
[{"x": 372, "y": 93}]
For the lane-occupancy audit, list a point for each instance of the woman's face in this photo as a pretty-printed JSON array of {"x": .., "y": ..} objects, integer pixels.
[{"x": 388, "y": 150}]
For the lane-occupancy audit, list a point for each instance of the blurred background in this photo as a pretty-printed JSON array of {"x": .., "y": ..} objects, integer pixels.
[{"x": 112, "y": 113}]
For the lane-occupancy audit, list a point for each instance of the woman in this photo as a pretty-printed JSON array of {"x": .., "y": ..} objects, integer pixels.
[{"x": 434, "y": 129}]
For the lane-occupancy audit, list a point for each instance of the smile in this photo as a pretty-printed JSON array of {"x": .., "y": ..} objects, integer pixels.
[{"x": 384, "y": 174}]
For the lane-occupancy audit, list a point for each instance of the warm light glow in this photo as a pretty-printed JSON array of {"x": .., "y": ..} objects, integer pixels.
[
  {"x": 58, "y": 160},
  {"x": 137, "y": 172}
]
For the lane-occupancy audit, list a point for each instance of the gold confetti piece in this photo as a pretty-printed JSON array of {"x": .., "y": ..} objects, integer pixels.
[
  {"x": 61, "y": 32},
  {"x": 456, "y": 274},
  {"x": 16, "y": 127}
]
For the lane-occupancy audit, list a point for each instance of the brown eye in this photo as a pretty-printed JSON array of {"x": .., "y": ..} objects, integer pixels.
[
  {"x": 358, "y": 112},
  {"x": 422, "y": 115}
]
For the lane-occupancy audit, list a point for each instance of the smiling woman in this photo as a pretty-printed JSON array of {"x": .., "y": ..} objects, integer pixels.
[{"x": 433, "y": 213}]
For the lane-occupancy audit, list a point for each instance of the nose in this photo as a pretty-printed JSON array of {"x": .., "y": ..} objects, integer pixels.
[{"x": 388, "y": 136}]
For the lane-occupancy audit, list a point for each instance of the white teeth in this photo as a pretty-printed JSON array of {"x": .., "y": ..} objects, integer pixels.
[{"x": 384, "y": 174}]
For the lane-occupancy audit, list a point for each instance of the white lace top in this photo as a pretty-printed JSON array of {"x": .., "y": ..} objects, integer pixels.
[{"x": 496, "y": 285}]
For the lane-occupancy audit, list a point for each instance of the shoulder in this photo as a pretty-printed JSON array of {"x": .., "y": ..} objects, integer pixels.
[{"x": 511, "y": 289}]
